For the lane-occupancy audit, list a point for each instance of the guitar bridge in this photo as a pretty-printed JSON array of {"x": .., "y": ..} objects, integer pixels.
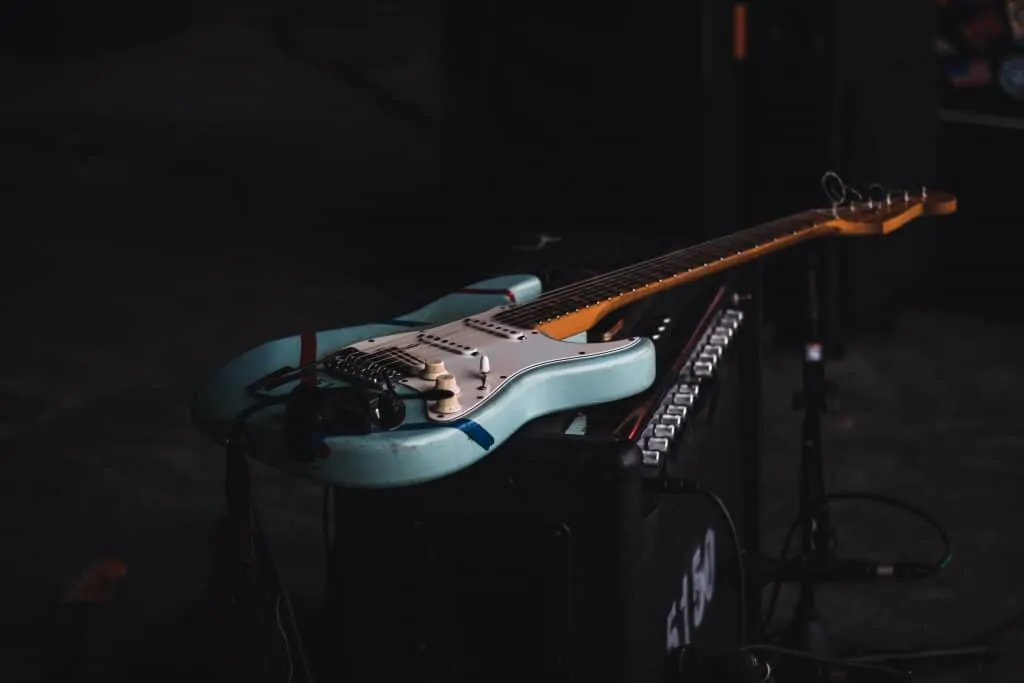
[{"x": 381, "y": 368}]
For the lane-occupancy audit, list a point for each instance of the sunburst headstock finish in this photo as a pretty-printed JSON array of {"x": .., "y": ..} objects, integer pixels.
[{"x": 888, "y": 214}]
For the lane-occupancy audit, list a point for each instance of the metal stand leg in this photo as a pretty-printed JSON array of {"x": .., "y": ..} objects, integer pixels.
[{"x": 805, "y": 631}]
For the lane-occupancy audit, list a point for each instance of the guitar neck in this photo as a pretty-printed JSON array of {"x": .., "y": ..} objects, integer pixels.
[{"x": 576, "y": 308}]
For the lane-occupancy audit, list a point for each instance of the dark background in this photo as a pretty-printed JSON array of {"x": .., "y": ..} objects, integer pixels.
[{"x": 184, "y": 180}]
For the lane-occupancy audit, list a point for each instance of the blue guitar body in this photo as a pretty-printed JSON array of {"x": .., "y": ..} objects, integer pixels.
[{"x": 530, "y": 375}]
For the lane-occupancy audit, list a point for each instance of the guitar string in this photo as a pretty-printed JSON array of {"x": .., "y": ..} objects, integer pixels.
[
  {"x": 552, "y": 305},
  {"x": 618, "y": 282},
  {"x": 817, "y": 218},
  {"x": 389, "y": 358},
  {"x": 613, "y": 283},
  {"x": 595, "y": 289},
  {"x": 804, "y": 222}
]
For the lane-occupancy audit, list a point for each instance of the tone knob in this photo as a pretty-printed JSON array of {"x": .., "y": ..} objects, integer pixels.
[
  {"x": 447, "y": 406},
  {"x": 433, "y": 369},
  {"x": 446, "y": 382}
]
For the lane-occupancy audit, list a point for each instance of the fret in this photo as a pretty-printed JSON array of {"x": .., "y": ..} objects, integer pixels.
[{"x": 603, "y": 287}]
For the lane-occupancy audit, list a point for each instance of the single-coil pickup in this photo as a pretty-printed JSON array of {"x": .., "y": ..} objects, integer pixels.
[
  {"x": 446, "y": 344},
  {"x": 497, "y": 329}
]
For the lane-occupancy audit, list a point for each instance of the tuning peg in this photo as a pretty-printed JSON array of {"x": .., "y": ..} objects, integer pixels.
[{"x": 884, "y": 197}]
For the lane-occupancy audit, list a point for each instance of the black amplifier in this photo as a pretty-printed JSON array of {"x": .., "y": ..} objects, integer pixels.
[{"x": 552, "y": 559}]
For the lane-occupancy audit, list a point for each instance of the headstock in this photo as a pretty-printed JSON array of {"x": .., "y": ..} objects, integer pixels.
[{"x": 880, "y": 216}]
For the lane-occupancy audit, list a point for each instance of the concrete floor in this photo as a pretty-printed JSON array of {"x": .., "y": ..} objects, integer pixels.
[{"x": 105, "y": 341}]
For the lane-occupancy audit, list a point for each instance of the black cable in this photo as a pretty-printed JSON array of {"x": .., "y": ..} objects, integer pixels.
[
  {"x": 920, "y": 513},
  {"x": 740, "y": 559},
  {"x": 684, "y": 487},
  {"x": 921, "y": 570},
  {"x": 832, "y": 663}
]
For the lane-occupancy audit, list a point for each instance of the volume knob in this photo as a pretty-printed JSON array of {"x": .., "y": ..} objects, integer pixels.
[
  {"x": 433, "y": 369},
  {"x": 447, "y": 406}
]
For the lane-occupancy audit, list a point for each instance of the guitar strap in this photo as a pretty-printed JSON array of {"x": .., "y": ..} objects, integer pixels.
[{"x": 250, "y": 546}]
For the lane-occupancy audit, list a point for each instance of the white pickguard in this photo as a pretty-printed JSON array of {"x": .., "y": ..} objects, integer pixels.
[{"x": 511, "y": 352}]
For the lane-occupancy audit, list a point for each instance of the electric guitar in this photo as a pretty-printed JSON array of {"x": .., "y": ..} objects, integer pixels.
[{"x": 423, "y": 396}]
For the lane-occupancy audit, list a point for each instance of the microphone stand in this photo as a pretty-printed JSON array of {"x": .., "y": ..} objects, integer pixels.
[{"x": 805, "y": 631}]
